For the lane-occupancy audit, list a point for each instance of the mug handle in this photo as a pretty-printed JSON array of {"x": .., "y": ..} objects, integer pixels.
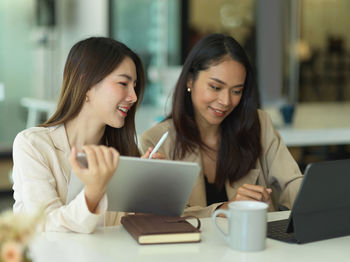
[{"x": 216, "y": 213}]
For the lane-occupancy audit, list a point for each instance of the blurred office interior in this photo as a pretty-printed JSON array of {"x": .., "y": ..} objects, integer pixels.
[{"x": 299, "y": 48}]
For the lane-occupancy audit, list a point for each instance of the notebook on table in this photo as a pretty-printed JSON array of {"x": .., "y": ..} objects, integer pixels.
[
  {"x": 322, "y": 207},
  {"x": 153, "y": 229},
  {"x": 161, "y": 187}
]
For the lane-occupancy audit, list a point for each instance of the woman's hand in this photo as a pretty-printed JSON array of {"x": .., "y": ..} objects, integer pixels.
[
  {"x": 156, "y": 155},
  {"x": 102, "y": 163},
  {"x": 253, "y": 192}
]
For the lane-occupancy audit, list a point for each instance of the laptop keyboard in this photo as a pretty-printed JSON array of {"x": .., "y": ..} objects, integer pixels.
[{"x": 277, "y": 230}]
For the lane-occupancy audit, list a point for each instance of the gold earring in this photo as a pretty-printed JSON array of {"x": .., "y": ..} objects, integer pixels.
[
  {"x": 189, "y": 90},
  {"x": 86, "y": 99}
]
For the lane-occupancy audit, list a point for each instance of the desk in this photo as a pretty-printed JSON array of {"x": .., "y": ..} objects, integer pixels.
[
  {"x": 115, "y": 244},
  {"x": 315, "y": 124}
]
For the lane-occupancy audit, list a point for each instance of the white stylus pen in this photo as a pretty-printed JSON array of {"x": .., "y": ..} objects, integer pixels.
[{"x": 160, "y": 142}]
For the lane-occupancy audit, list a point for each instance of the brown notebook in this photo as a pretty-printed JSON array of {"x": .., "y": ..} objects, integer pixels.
[{"x": 153, "y": 229}]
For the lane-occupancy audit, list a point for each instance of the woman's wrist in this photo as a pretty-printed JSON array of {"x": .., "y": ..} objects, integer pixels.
[{"x": 93, "y": 196}]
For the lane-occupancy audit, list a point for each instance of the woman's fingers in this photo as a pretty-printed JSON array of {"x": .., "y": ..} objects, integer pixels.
[
  {"x": 155, "y": 155},
  {"x": 100, "y": 156},
  {"x": 111, "y": 156},
  {"x": 102, "y": 160},
  {"x": 158, "y": 155},
  {"x": 245, "y": 192},
  {"x": 253, "y": 192},
  {"x": 107, "y": 156},
  {"x": 147, "y": 153},
  {"x": 90, "y": 156},
  {"x": 264, "y": 194},
  {"x": 115, "y": 157},
  {"x": 244, "y": 197}
]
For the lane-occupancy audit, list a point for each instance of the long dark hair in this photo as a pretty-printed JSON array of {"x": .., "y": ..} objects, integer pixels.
[
  {"x": 239, "y": 144},
  {"x": 89, "y": 62}
]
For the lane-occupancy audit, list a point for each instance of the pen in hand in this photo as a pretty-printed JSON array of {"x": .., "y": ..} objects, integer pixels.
[{"x": 161, "y": 140}]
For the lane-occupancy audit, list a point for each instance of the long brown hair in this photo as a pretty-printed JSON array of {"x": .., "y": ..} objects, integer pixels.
[
  {"x": 239, "y": 145},
  {"x": 89, "y": 62}
]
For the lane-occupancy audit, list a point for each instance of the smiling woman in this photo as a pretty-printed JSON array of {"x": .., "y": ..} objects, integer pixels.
[
  {"x": 94, "y": 64},
  {"x": 109, "y": 101},
  {"x": 102, "y": 82},
  {"x": 216, "y": 92},
  {"x": 216, "y": 123}
]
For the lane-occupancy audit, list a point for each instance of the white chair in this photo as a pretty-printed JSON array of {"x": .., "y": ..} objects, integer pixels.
[{"x": 35, "y": 108}]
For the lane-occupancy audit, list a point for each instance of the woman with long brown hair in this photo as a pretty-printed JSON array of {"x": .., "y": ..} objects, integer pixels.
[
  {"x": 103, "y": 83},
  {"x": 215, "y": 121}
]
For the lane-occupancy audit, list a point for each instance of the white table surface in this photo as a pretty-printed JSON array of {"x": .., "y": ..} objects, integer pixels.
[
  {"x": 115, "y": 244},
  {"x": 315, "y": 124},
  {"x": 294, "y": 137}
]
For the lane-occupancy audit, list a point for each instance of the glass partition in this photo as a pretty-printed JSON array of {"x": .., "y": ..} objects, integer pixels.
[
  {"x": 152, "y": 29},
  {"x": 232, "y": 17},
  {"x": 323, "y": 51},
  {"x": 17, "y": 66}
]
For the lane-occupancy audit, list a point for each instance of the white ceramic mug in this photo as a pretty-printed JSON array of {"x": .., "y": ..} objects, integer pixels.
[{"x": 247, "y": 225}]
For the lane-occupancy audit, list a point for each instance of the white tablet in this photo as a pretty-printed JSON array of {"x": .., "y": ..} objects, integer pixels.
[{"x": 160, "y": 187}]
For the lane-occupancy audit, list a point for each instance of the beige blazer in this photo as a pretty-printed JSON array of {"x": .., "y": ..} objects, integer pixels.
[
  {"x": 275, "y": 167},
  {"x": 41, "y": 175}
]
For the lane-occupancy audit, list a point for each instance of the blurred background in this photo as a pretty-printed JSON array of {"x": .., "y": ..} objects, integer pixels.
[{"x": 299, "y": 49}]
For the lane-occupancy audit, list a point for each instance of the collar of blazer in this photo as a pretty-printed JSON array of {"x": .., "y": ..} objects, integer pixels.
[{"x": 59, "y": 138}]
